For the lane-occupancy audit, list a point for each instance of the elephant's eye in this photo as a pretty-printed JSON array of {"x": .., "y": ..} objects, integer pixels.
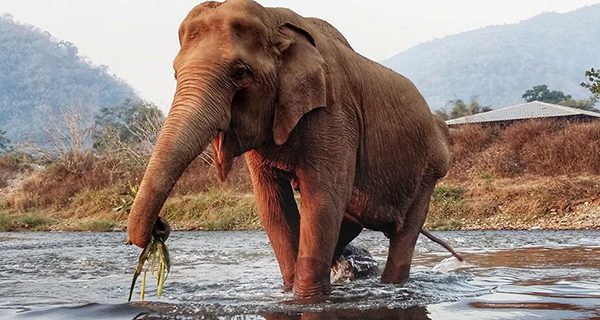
[{"x": 242, "y": 75}]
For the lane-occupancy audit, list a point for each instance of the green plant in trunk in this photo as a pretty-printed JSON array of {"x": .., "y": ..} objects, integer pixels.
[{"x": 155, "y": 258}]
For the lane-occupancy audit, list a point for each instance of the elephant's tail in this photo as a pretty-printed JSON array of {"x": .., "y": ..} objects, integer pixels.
[{"x": 442, "y": 243}]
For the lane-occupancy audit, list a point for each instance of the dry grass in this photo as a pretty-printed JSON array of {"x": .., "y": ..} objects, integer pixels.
[
  {"x": 11, "y": 165},
  {"x": 59, "y": 188},
  {"x": 538, "y": 147},
  {"x": 517, "y": 203},
  {"x": 519, "y": 176},
  {"x": 216, "y": 209},
  {"x": 85, "y": 198},
  {"x": 202, "y": 177}
]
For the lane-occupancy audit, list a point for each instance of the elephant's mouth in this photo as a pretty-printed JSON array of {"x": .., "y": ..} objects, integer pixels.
[{"x": 225, "y": 149}]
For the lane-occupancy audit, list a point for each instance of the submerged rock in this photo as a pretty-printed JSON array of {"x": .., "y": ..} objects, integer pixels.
[{"x": 354, "y": 263}]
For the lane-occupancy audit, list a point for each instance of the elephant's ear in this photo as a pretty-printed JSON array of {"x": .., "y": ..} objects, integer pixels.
[{"x": 302, "y": 86}]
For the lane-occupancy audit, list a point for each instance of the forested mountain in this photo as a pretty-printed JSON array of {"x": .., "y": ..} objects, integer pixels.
[
  {"x": 499, "y": 63},
  {"x": 42, "y": 77}
]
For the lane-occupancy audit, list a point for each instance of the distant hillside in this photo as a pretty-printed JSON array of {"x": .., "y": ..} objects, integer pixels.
[
  {"x": 41, "y": 76},
  {"x": 498, "y": 63}
]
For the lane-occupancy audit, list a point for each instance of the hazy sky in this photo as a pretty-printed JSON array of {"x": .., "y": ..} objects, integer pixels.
[{"x": 137, "y": 39}]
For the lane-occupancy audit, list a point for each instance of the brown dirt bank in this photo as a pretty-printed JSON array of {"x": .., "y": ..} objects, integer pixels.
[{"x": 517, "y": 204}]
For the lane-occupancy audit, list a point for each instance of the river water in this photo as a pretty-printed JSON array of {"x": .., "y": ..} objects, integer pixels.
[{"x": 234, "y": 275}]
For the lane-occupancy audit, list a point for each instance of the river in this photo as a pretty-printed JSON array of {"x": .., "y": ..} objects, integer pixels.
[{"x": 234, "y": 275}]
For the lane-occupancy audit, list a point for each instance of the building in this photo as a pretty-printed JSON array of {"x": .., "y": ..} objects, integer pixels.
[{"x": 526, "y": 111}]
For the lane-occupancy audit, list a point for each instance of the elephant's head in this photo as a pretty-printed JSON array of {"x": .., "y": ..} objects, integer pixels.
[{"x": 245, "y": 76}]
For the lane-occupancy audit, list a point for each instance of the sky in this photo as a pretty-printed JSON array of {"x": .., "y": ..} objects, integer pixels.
[{"x": 137, "y": 39}]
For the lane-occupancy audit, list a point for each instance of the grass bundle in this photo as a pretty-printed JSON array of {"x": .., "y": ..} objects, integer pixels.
[{"x": 155, "y": 258}]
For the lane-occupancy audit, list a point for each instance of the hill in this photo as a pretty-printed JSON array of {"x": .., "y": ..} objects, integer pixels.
[
  {"x": 41, "y": 77},
  {"x": 498, "y": 63}
]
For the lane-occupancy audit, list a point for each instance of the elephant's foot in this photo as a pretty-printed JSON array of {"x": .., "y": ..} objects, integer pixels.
[
  {"x": 288, "y": 282},
  {"x": 397, "y": 275},
  {"x": 311, "y": 279},
  {"x": 312, "y": 293}
]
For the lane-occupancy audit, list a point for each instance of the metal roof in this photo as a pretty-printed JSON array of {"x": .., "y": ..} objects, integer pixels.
[{"x": 529, "y": 110}]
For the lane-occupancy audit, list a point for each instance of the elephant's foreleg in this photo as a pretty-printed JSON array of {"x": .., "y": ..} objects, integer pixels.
[
  {"x": 403, "y": 239},
  {"x": 279, "y": 214},
  {"x": 320, "y": 224},
  {"x": 322, "y": 208}
]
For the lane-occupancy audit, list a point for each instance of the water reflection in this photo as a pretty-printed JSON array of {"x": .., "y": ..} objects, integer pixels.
[
  {"x": 168, "y": 312},
  {"x": 536, "y": 258},
  {"x": 416, "y": 313},
  {"x": 92, "y": 311}
]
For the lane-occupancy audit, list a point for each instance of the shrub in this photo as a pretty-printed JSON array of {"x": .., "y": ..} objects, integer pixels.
[
  {"x": 447, "y": 203},
  {"x": 202, "y": 177}
]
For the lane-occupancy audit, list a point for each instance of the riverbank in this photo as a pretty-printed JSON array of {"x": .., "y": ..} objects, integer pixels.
[
  {"x": 531, "y": 175},
  {"x": 557, "y": 203},
  {"x": 523, "y": 203}
]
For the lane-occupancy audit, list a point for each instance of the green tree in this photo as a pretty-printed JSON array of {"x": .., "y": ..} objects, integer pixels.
[
  {"x": 4, "y": 143},
  {"x": 458, "y": 108},
  {"x": 593, "y": 82},
  {"x": 543, "y": 94}
]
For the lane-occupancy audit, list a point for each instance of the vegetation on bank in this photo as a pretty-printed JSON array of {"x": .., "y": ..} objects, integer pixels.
[{"x": 530, "y": 174}]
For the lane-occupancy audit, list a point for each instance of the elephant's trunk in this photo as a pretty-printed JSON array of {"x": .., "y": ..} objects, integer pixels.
[{"x": 200, "y": 110}]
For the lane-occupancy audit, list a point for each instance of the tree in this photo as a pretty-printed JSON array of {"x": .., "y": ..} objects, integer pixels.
[
  {"x": 4, "y": 143},
  {"x": 543, "y": 94},
  {"x": 584, "y": 104},
  {"x": 593, "y": 82},
  {"x": 67, "y": 141},
  {"x": 129, "y": 129},
  {"x": 460, "y": 109}
]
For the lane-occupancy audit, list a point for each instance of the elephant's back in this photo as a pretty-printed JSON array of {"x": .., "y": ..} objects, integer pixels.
[{"x": 328, "y": 30}]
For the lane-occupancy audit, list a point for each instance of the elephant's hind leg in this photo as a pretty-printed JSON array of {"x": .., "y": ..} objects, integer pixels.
[
  {"x": 348, "y": 231},
  {"x": 403, "y": 240}
]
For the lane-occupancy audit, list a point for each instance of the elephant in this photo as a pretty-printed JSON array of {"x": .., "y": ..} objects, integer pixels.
[{"x": 305, "y": 110}]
